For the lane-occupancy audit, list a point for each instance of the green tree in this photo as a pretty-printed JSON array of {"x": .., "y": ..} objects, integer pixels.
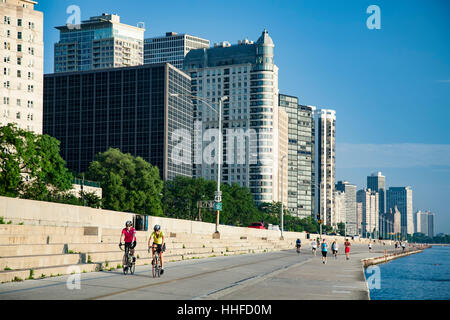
[
  {"x": 129, "y": 184},
  {"x": 30, "y": 165},
  {"x": 341, "y": 228}
]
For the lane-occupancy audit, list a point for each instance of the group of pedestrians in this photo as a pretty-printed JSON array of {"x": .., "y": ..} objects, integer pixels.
[{"x": 324, "y": 248}]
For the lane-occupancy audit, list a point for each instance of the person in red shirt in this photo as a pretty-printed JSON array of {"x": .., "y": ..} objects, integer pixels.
[{"x": 129, "y": 237}]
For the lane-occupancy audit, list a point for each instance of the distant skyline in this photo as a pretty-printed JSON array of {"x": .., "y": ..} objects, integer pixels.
[{"x": 390, "y": 87}]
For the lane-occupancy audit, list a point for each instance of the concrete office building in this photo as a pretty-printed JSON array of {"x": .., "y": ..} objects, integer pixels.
[
  {"x": 247, "y": 75},
  {"x": 98, "y": 43},
  {"x": 171, "y": 48},
  {"x": 424, "y": 223},
  {"x": 21, "y": 64},
  {"x": 301, "y": 156},
  {"x": 402, "y": 197},
  {"x": 351, "y": 223},
  {"x": 339, "y": 208},
  {"x": 127, "y": 108},
  {"x": 370, "y": 212},
  {"x": 325, "y": 147}
]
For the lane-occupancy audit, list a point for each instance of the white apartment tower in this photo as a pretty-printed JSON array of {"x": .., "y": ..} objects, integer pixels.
[
  {"x": 247, "y": 75},
  {"x": 325, "y": 147},
  {"x": 370, "y": 212},
  {"x": 22, "y": 64}
]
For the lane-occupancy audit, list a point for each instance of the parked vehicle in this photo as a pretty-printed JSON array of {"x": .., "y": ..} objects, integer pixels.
[{"x": 257, "y": 225}]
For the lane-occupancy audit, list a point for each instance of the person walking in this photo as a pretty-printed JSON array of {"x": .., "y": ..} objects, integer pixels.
[
  {"x": 324, "y": 248},
  {"x": 403, "y": 246},
  {"x": 347, "y": 245},
  {"x": 314, "y": 247},
  {"x": 370, "y": 247},
  {"x": 335, "y": 249}
]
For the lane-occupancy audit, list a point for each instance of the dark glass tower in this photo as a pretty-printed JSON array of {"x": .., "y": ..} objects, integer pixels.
[{"x": 126, "y": 108}]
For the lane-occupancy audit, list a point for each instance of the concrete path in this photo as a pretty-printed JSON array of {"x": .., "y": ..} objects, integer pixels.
[{"x": 275, "y": 275}]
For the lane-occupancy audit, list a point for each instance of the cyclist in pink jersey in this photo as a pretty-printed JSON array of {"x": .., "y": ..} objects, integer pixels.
[{"x": 129, "y": 237}]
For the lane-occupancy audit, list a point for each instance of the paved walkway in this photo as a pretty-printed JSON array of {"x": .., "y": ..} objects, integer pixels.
[
  {"x": 337, "y": 279},
  {"x": 270, "y": 276}
]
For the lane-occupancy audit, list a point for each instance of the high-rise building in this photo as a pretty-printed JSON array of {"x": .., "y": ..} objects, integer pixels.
[
  {"x": 171, "y": 48},
  {"x": 402, "y": 197},
  {"x": 339, "y": 208},
  {"x": 98, "y": 43},
  {"x": 359, "y": 218},
  {"x": 22, "y": 64},
  {"x": 325, "y": 147},
  {"x": 431, "y": 230},
  {"x": 370, "y": 212},
  {"x": 377, "y": 182},
  {"x": 247, "y": 75},
  {"x": 283, "y": 151},
  {"x": 351, "y": 224},
  {"x": 301, "y": 156},
  {"x": 132, "y": 109},
  {"x": 424, "y": 223}
]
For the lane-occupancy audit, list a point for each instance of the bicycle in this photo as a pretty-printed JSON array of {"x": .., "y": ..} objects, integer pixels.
[
  {"x": 299, "y": 248},
  {"x": 156, "y": 264},
  {"x": 127, "y": 261}
]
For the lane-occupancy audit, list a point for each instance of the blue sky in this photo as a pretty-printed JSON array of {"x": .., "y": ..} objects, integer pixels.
[{"x": 390, "y": 87}]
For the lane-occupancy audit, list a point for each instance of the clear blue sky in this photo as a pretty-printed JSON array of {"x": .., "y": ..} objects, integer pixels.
[{"x": 389, "y": 87}]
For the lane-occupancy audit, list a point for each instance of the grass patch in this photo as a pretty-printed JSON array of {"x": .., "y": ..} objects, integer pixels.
[
  {"x": 7, "y": 268},
  {"x": 2, "y": 220},
  {"x": 31, "y": 276},
  {"x": 10, "y": 222},
  {"x": 42, "y": 276},
  {"x": 106, "y": 263},
  {"x": 89, "y": 259},
  {"x": 17, "y": 279},
  {"x": 119, "y": 266}
]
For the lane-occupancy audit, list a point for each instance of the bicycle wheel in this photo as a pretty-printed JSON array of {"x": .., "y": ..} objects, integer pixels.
[
  {"x": 155, "y": 267},
  {"x": 125, "y": 264},
  {"x": 132, "y": 267}
]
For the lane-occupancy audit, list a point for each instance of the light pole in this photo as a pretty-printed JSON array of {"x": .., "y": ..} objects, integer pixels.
[
  {"x": 282, "y": 196},
  {"x": 218, "y": 196}
]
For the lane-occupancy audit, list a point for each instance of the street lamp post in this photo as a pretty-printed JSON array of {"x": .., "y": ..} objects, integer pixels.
[
  {"x": 218, "y": 193},
  {"x": 282, "y": 196}
]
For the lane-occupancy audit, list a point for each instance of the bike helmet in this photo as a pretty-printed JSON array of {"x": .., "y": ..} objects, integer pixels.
[
  {"x": 157, "y": 227},
  {"x": 128, "y": 224}
]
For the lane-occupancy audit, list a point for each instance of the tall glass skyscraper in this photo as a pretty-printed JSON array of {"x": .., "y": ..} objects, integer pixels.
[
  {"x": 131, "y": 109},
  {"x": 171, "y": 48},
  {"x": 402, "y": 197},
  {"x": 98, "y": 43}
]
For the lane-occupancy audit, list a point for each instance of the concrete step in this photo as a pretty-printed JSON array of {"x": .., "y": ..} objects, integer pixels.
[
  {"x": 27, "y": 262},
  {"x": 30, "y": 249},
  {"x": 10, "y": 229},
  {"x": 45, "y": 272},
  {"x": 46, "y": 239}
]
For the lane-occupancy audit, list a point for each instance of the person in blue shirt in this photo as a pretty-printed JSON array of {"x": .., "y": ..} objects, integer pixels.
[
  {"x": 298, "y": 244},
  {"x": 324, "y": 248}
]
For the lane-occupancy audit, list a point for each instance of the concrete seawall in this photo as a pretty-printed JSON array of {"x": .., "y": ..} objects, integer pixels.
[{"x": 388, "y": 256}]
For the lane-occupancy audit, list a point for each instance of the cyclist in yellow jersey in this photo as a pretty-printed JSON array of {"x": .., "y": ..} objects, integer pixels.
[{"x": 158, "y": 244}]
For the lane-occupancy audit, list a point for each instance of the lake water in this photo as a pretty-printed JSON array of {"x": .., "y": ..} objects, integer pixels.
[{"x": 422, "y": 276}]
